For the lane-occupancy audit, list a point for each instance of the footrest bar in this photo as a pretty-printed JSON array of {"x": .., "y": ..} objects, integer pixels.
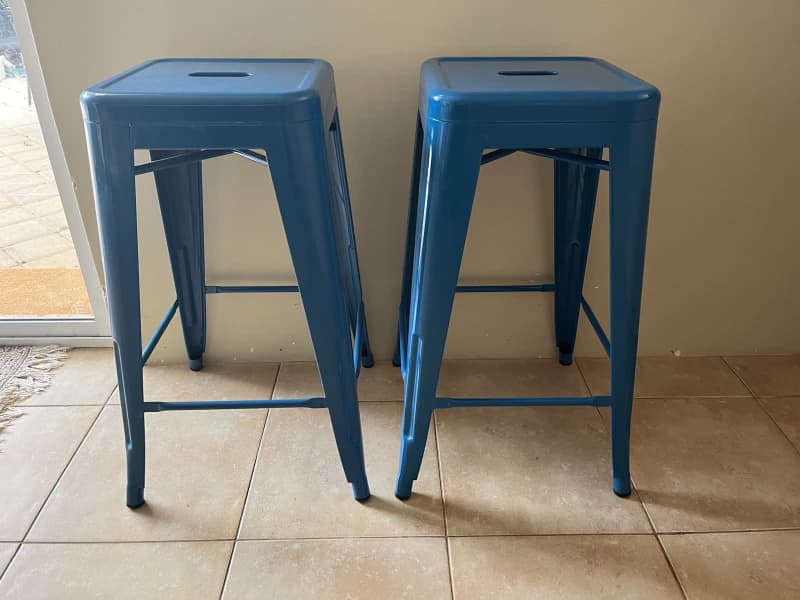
[
  {"x": 555, "y": 401},
  {"x": 598, "y": 329},
  {"x": 538, "y": 287},
  {"x": 250, "y": 289},
  {"x": 162, "y": 327},
  {"x": 235, "y": 404}
]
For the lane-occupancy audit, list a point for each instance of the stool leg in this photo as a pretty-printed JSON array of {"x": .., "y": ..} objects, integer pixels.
[
  {"x": 631, "y": 172},
  {"x": 111, "y": 155},
  {"x": 446, "y": 196},
  {"x": 575, "y": 191},
  {"x": 300, "y": 173},
  {"x": 353, "y": 272},
  {"x": 411, "y": 230},
  {"x": 180, "y": 194}
]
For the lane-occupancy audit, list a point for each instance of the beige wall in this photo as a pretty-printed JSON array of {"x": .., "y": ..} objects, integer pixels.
[{"x": 722, "y": 266}]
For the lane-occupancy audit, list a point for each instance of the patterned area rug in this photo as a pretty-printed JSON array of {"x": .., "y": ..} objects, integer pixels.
[{"x": 24, "y": 371}]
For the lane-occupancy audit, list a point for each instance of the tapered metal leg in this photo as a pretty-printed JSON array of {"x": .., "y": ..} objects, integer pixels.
[
  {"x": 111, "y": 157},
  {"x": 575, "y": 188},
  {"x": 631, "y": 172},
  {"x": 446, "y": 196},
  {"x": 180, "y": 194},
  {"x": 348, "y": 245},
  {"x": 411, "y": 228},
  {"x": 300, "y": 173}
]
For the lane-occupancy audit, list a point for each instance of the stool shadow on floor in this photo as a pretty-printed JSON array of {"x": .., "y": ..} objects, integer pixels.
[
  {"x": 708, "y": 512},
  {"x": 419, "y": 506},
  {"x": 495, "y": 519}
]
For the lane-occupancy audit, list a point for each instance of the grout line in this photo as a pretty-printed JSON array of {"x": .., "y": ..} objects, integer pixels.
[
  {"x": 408, "y": 537},
  {"x": 52, "y": 489},
  {"x": 10, "y": 560},
  {"x": 639, "y": 496},
  {"x": 249, "y": 486},
  {"x": 444, "y": 506},
  {"x": 739, "y": 377},
  {"x": 760, "y": 402},
  {"x": 667, "y": 557},
  {"x": 24, "y": 406},
  {"x": 577, "y": 364},
  {"x": 118, "y": 542},
  {"x": 672, "y": 568}
]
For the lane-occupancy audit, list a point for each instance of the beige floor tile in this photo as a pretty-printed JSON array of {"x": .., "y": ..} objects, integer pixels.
[
  {"x": 667, "y": 377},
  {"x": 6, "y": 552},
  {"x": 530, "y": 471},
  {"x": 713, "y": 464},
  {"x": 216, "y": 381},
  {"x": 33, "y": 453},
  {"x": 355, "y": 569},
  {"x": 575, "y": 566},
  {"x": 735, "y": 566},
  {"x": 88, "y": 376},
  {"x": 177, "y": 570},
  {"x": 769, "y": 375},
  {"x": 299, "y": 489},
  {"x": 198, "y": 469},
  {"x": 509, "y": 378},
  {"x": 381, "y": 383},
  {"x": 786, "y": 412}
]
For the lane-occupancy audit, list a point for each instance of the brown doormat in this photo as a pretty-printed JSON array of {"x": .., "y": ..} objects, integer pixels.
[{"x": 43, "y": 293}]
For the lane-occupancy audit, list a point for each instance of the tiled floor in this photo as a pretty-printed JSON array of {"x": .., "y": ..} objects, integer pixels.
[{"x": 511, "y": 503}]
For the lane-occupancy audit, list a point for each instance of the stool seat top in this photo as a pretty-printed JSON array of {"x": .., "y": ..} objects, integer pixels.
[
  {"x": 533, "y": 89},
  {"x": 283, "y": 89}
]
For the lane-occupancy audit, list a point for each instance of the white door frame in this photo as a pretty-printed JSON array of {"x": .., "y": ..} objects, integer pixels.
[{"x": 79, "y": 331}]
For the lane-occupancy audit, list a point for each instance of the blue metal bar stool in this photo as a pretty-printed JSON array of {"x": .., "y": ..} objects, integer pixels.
[
  {"x": 567, "y": 109},
  {"x": 188, "y": 110}
]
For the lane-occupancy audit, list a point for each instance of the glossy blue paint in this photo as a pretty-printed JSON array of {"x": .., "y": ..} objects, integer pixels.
[
  {"x": 213, "y": 107},
  {"x": 574, "y": 193},
  {"x": 251, "y": 289},
  {"x": 505, "y": 289},
  {"x": 162, "y": 327},
  {"x": 568, "y": 109},
  {"x": 551, "y": 401},
  {"x": 595, "y": 323},
  {"x": 236, "y": 404},
  {"x": 178, "y": 159}
]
